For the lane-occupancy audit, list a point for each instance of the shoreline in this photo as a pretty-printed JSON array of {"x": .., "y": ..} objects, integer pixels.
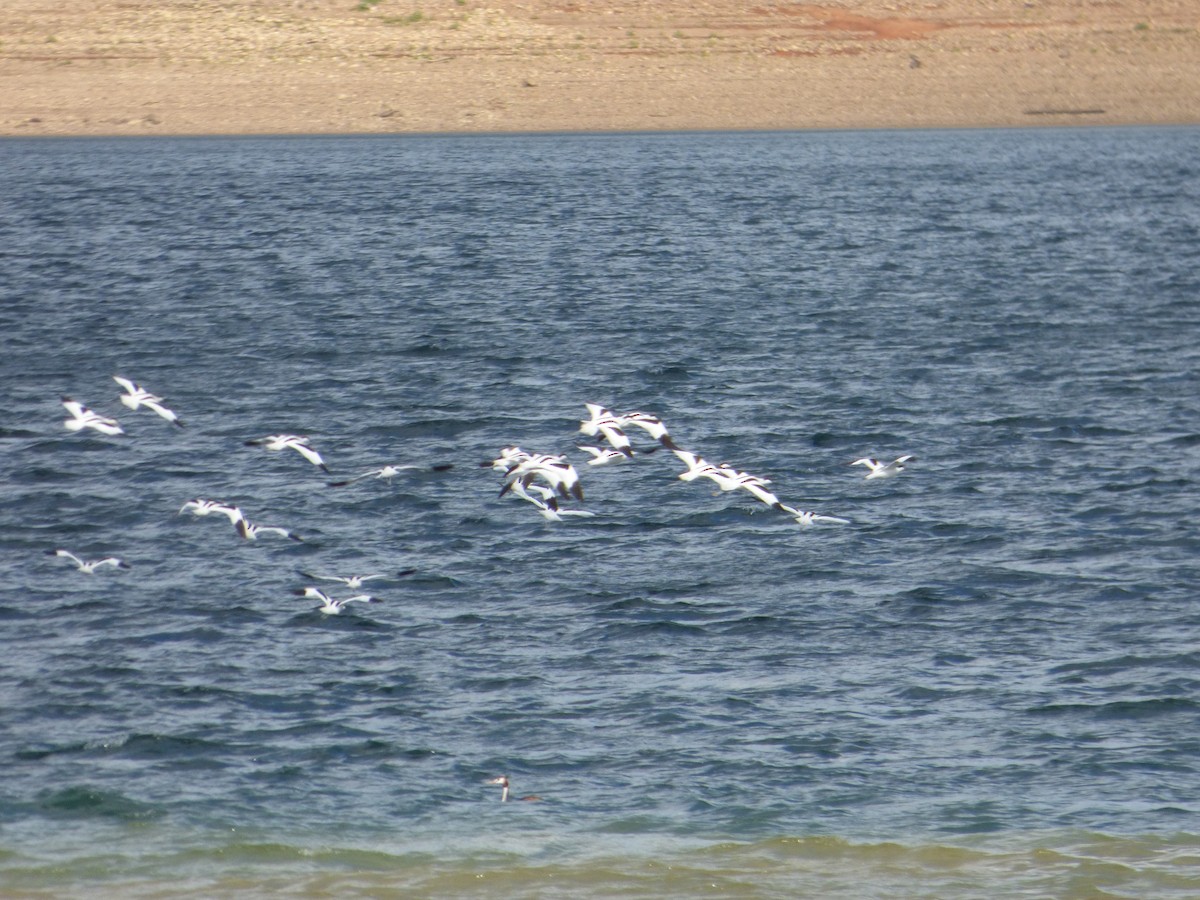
[{"x": 204, "y": 67}]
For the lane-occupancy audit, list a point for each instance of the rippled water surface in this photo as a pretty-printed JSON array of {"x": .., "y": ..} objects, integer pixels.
[{"x": 984, "y": 685}]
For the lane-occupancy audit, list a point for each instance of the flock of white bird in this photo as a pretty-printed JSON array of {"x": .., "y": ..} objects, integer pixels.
[
  {"x": 547, "y": 481},
  {"x": 136, "y": 397},
  {"x": 554, "y": 480}
]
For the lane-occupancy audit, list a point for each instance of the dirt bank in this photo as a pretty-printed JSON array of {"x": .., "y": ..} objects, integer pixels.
[{"x": 136, "y": 67}]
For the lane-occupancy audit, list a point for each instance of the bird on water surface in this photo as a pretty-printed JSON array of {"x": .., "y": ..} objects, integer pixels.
[{"x": 504, "y": 798}]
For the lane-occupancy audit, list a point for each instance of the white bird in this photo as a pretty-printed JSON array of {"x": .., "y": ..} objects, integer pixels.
[
  {"x": 548, "y": 504},
  {"x": 603, "y": 455},
  {"x": 698, "y": 467},
  {"x": 387, "y": 473},
  {"x": 503, "y": 782},
  {"x": 753, "y": 485},
  {"x": 251, "y": 532},
  {"x": 555, "y": 470},
  {"x": 208, "y": 507},
  {"x": 508, "y": 458},
  {"x": 90, "y": 567},
  {"x": 299, "y": 443},
  {"x": 136, "y": 396},
  {"x": 810, "y": 518},
  {"x": 608, "y": 425},
  {"x": 82, "y": 417},
  {"x": 651, "y": 424},
  {"x": 356, "y": 581},
  {"x": 332, "y": 606},
  {"x": 884, "y": 470},
  {"x": 730, "y": 479}
]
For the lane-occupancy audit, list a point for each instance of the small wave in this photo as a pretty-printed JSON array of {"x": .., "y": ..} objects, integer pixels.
[{"x": 86, "y": 802}]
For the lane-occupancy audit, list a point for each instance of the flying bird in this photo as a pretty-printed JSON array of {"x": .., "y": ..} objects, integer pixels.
[
  {"x": 332, "y": 606},
  {"x": 299, "y": 443},
  {"x": 251, "y": 532},
  {"x": 200, "y": 507},
  {"x": 356, "y": 581},
  {"x": 811, "y": 518},
  {"x": 90, "y": 567},
  {"x": 387, "y": 473},
  {"x": 884, "y": 470},
  {"x": 136, "y": 396},
  {"x": 82, "y": 417}
]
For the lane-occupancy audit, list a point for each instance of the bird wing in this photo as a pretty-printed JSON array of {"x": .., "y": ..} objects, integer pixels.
[
  {"x": 156, "y": 404},
  {"x": 307, "y": 452},
  {"x": 616, "y": 437},
  {"x": 129, "y": 386},
  {"x": 324, "y": 577},
  {"x": 757, "y": 490},
  {"x": 75, "y": 408},
  {"x": 71, "y": 556},
  {"x": 833, "y": 520}
]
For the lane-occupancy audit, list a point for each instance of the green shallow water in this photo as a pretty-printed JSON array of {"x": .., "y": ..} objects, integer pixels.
[{"x": 1060, "y": 865}]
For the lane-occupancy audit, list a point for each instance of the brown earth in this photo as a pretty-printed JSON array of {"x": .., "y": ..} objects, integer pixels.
[{"x": 136, "y": 67}]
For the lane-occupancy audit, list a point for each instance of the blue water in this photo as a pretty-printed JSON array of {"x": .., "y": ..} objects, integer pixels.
[{"x": 984, "y": 685}]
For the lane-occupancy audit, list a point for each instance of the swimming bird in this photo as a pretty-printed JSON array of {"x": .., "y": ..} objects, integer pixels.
[
  {"x": 810, "y": 518},
  {"x": 251, "y": 532},
  {"x": 503, "y": 782},
  {"x": 356, "y": 581},
  {"x": 82, "y": 417},
  {"x": 136, "y": 396},
  {"x": 884, "y": 470},
  {"x": 332, "y": 606},
  {"x": 201, "y": 507},
  {"x": 90, "y": 567},
  {"x": 387, "y": 473},
  {"x": 297, "y": 442}
]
